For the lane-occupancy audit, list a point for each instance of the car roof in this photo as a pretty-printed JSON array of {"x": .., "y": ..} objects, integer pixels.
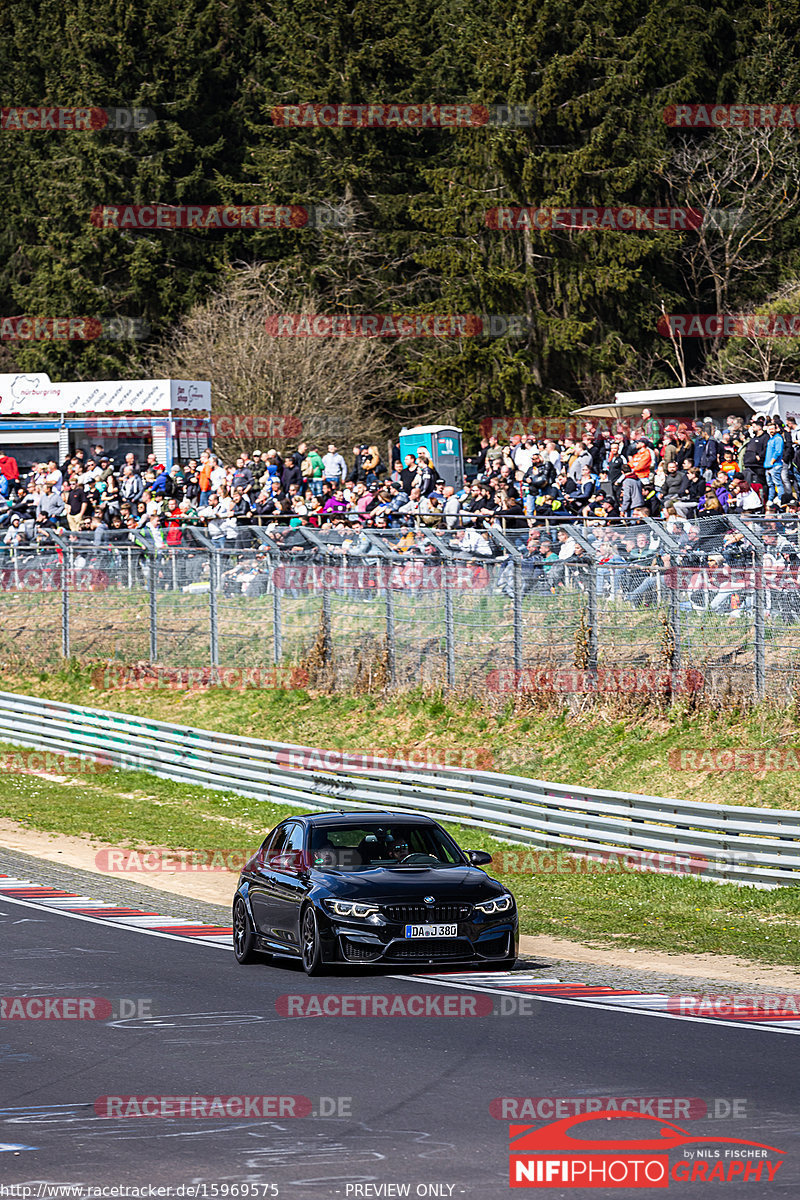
[{"x": 373, "y": 815}]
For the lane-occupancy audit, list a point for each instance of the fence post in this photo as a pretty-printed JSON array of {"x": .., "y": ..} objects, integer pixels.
[
  {"x": 174, "y": 569},
  {"x": 675, "y": 615},
  {"x": 151, "y": 562},
  {"x": 277, "y": 631},
  {"x": 759, "y": 664},
  {"x": 213, "y": 572},
  {"x": 591, "y": 617},
  {"x": 517, "y": 568},
  {"x": 449, "y": 632},
  {"x": 327, "y": 643},
  {"x": 64, "y": 607},
  {"x": 390, "y": 630}
]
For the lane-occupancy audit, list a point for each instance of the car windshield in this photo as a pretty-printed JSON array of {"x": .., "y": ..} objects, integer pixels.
[{"x": 359, "y": 847}]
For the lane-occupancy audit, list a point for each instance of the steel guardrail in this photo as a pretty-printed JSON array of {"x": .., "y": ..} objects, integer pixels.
[{"x": 726, "y": 843}]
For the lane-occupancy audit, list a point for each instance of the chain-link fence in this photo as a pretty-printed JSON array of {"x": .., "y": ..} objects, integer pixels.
[{"x": 710, "y": 605}]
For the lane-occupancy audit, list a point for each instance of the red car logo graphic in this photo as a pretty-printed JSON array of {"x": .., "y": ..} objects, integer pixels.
[{"x": 556, "y": 1137}]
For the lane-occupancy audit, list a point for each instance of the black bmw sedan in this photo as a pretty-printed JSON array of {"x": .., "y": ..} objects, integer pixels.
[{"x": 371, "y": 887}]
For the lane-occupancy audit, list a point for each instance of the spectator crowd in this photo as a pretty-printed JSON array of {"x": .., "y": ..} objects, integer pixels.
[{"x": 678, "y": 472}]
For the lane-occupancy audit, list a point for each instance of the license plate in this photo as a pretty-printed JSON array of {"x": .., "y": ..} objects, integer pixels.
[{"x": 426, "y": 931}]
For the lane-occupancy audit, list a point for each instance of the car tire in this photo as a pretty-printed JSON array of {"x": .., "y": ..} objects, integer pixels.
[
  {"x": 310, "y": 944},
  {"x": 244, "y": 940}
]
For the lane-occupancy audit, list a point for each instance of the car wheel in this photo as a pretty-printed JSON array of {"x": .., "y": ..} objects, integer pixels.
[
  {"x": 244, "y": 940},
  {"x": 310, "y": 943},
  {"x": 507, "y": 964}
]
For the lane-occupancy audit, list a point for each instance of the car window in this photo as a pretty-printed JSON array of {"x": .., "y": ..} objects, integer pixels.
[
  {"x": 386, "y": 843},
  {"x": 296, "y": 837},
  {"x": 278, "y": 839}
]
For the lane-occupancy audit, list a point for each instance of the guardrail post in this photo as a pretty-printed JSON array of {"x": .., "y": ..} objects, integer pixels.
[
  {"x": 391, "y": 661},
  {"x": 449, "y": 633},
  {"x": 517, "y": 568},
  {"x": 153, "y": 609},
  {"x": 64, "y": 607},
  {"x": 759, "y": 664},
  {"x": 213, "y": 572}
]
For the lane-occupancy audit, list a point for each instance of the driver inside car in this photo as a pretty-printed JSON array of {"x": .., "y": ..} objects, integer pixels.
[{"x": 399, "y": 851}]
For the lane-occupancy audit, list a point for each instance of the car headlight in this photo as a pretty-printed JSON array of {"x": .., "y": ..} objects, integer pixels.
[
  {"x": 350, "y": 908},
  {"x": 499, "y": 905}
]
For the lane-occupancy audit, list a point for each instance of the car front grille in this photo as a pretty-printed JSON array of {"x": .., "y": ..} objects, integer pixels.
[
  {"x": 427, "y": 914},
  {"x": 428, "y": 948}
]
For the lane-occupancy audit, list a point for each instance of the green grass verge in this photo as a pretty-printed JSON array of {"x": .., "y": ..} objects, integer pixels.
[
  {"x": 622, "y": 909},
  {"x": 620, "y": 745}
]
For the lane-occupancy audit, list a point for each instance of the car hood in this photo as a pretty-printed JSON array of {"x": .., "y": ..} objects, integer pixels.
[{"x": 410, "y": 884}]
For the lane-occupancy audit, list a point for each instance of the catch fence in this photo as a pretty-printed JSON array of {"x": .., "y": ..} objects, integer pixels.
[{"x": 581, "y": 607}]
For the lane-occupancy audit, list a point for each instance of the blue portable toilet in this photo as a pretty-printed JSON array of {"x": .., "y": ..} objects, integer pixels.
[{"x": 443, "y": 443}]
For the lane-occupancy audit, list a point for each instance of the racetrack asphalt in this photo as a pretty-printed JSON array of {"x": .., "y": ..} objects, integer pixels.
[{"x": 414, "y": 1093}]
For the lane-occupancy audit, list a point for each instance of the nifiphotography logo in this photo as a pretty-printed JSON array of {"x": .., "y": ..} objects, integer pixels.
[{"x": 562, "y": 1154}]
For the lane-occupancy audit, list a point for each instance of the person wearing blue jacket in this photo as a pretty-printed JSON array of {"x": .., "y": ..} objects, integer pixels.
[{"x": 773, "y": 462}]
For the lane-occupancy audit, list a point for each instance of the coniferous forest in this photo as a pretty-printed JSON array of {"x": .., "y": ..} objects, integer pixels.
[{"x": 596, "y": 79}]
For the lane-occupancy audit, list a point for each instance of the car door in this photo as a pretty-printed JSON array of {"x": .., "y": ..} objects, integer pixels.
[
  {"x": 262, "y": 883},
  {"x": 290, "y": 886}
]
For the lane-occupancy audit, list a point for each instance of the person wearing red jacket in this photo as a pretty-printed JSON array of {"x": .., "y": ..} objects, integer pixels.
[{"x": 8, "y": 466}]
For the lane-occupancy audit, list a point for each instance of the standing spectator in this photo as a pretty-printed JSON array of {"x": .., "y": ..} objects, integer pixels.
[
  {"x": 243, "y": 477},
  {"x": 631, "y": 496},
  {"x": 313, "y": 469},
  {"x": 78, "y": 506},
  {"x": 754, "y": 453},
  {"x": 334, "y": 466},
  {"x": 773, "y": 463}
]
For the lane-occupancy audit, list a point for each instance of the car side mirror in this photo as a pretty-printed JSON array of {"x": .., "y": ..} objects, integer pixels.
[{"x": 479, "y": 858}]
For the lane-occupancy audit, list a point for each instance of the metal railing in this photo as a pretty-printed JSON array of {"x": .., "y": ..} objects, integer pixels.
[{"x": 757, "y": 846}]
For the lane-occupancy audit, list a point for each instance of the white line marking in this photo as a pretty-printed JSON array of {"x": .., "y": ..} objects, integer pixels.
[
  {"x": 642, "y": 1012},
  {"x": 172, "y": 937}
]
